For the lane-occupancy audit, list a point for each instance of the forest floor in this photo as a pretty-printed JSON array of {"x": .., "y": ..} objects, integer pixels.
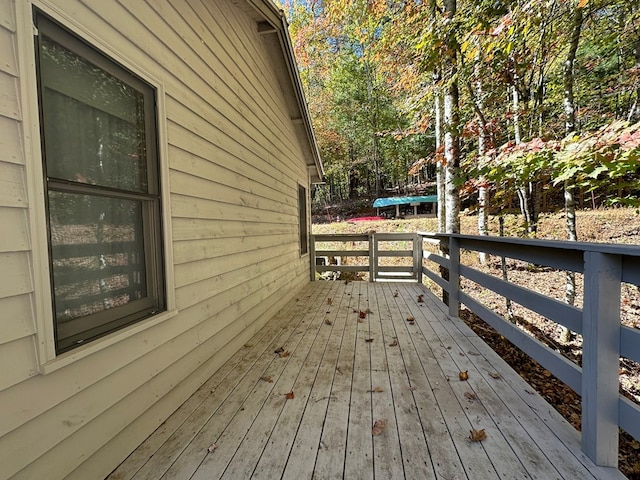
[{"x": 621, "y": 226}]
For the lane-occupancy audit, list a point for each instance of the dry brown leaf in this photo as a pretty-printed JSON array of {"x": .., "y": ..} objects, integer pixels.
[
  {"x": 411, "y": 318},
  {"x": 284, "y": 354},
  {"x": 248, "y": 345},
  {"x": 378, "y": 426},
  {"x": 376, "y": 390},
  {"x": 495, "y": 375},
  {"x": 329, "y": 301},
  {"x": 477, "y": 435},
  {"x": 267, "y": 378},
  {"x": 464, "y": 376},
  {"x": 470, "y": 395},
  {"x": 394, "y": 343},
  {"x": 368, "y": 340},
  {"x": 395, "y": 294},
  {"x": 362, "y": 314},
  {"x": 212, "y": 447},
  {"x": 327, "y": 321},
  {"x": 279, "y": 350},
  {"x": 290, "y": 395},
  {"x": 421, "y": 298}
]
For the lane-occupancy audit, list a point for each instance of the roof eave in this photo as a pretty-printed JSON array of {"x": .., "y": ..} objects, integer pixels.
[{"x": 273, "y": 22}]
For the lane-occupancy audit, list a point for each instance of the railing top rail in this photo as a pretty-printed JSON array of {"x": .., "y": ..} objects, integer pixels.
[{"x": 616, "y": 249}]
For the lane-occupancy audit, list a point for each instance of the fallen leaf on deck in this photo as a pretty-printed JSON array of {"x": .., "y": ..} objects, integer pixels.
[
  {"x": 378, "y": 426},
  {"x": 470, "y": 395},
  {"x": 284, "y": 354},
  {"x": 362, "y": 314},
  {"x": 473, "y": 353},
  {"x": 290, "y": 396},
  {"x": 376, "y": 390},
  {"x": 494, "y": 375},
  {"x": 420, "y": 298},
  {"x": 410, "y": 318},
  {"x": 395, "y": 294},
  {"x": 267, "y": 378},
  {"x": 394, "y": 343},
  {"x": 327, "y": 321},
  {"x": 477, "y": 435},
  {"x": 212, "y": 447},
  {"x": 279, "y": 350},
  {"x": 329, "y": 301},
  {"x": 464, "y": 376},
  {"x": 368, "y": 340},
  {"x": 248, "y": 345}
]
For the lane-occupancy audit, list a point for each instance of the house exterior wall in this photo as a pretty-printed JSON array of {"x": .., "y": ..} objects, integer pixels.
[{"x": 231, "y": 168}]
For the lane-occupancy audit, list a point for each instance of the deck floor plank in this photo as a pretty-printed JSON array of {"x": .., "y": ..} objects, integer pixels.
[
  {"x": 305, "y": 447},
  {"x": 407, "y": 373}
]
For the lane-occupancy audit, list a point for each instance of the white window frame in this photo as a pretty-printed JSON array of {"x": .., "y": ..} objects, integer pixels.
[{"x": 48, "y": 361}]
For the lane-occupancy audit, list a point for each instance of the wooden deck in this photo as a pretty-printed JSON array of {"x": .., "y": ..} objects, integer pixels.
[{"x": 345, "y": 373}]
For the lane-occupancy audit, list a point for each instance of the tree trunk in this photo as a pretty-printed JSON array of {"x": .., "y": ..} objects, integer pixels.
[
  {"x": 439, "y": 167},
  {"x": 483, "y": 199},
  {"x": 451, "y": 137},
  {"x": 452, "y": 156},
  {"x": 570, "y": 126}
]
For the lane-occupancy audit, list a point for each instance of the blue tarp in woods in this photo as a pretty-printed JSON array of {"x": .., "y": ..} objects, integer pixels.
[{"x": 386, "y": 202}]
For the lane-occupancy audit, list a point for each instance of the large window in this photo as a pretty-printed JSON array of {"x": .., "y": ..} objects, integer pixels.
[
  {"x": 98, "y": 129},
  {"x": 303, "y": 223}
]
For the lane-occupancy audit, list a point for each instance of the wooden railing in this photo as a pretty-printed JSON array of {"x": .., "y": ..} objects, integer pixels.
[{"x": 605, "y": 339}]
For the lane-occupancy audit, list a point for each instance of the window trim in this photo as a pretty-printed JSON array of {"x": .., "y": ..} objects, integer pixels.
[{"x": 47, "y": 360}]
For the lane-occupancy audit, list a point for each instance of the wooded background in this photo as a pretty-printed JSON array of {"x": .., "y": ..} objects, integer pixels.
[{"x": 503, "y": 103}]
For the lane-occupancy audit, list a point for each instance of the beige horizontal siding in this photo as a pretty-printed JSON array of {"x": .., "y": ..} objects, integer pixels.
[
  {"x": 16, "y": 320},
  {"x": 234, "y": 167}
]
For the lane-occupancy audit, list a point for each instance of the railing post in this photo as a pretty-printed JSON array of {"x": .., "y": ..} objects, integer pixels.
[
  {"x": 454, "y": 276},
  {"x": 373, "y": 260},
  {"x": 417, "y": 257},
  {"x": 312, "y": 256},
  {"x": 601, "y": 357}
]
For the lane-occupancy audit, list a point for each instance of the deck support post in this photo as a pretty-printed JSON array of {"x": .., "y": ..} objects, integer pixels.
[
  {"x": 601, "y": 357},
  {"x": 454, "y": 276}
]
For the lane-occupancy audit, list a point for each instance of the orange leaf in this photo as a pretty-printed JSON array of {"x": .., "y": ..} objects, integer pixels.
[
  {"x": 284, "y": 354},
  {"x": 289, "y": 395},
  {"x": 477, "y": 435},
  {"x": 582, "y": 3},
  {"x": 376, "y": 390},
  {"x": 378, "y": 426},
  {"x": 464, "y": 376}
]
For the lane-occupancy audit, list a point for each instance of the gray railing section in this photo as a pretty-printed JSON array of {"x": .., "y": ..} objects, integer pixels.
[
  {"x": 368, "y": 259},
  {"x": 605, "y": 340}
]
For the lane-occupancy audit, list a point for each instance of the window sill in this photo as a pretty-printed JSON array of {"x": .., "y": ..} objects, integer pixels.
[{"x": 95, "y": 346}]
